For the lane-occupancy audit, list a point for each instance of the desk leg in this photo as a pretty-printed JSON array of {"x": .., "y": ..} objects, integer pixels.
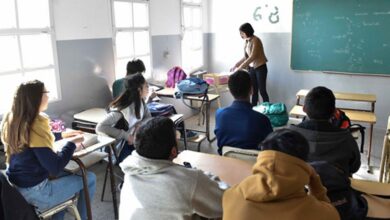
[
  {"x": 384, "y": 162},
  {"x": 85, "y": 185},
  {"x": 112, "y": 178},
  {"x": 369, "y": 147},
  {"x": 208, "y": 123}
]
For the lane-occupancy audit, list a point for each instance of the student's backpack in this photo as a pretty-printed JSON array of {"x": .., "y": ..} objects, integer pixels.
[
  {"x": 192, "y": 86},
  {"x": 348, "y": 202},
  {"x": 341, "y": 120},
  {"x": 161, "y": 109},
  {"x": 174, "y": 75},
  {"x": 276, "y": 112}
]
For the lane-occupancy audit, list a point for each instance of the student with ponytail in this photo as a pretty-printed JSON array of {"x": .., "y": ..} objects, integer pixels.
[
  {"x": 33, "y": 166},
  {"x": 131, "y": 106}
]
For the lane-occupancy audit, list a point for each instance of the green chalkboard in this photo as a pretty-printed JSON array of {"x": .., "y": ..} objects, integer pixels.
[{"x": 341, "y": 36}]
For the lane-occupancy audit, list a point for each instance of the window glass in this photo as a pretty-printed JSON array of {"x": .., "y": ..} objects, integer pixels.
[
  {"x": 9, "y": 54},
  {"x": 141, "y": 15},
  {"x": 142, "y": 42},
  {"x": 33, "y": 13},
  {"x": 123, "y": 14},
  {"x": 7, "y": 14},
  {"x": 124, "y": 44},
  {"x": 36, "y": 50}
]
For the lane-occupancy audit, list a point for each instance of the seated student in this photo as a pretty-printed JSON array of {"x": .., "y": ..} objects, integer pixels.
[
  {"x": 238, "y": 125},
  {"x": 130, "y": 105},
  {"x": 327, "y": 142},
  {"x": 156, "y": 188},
  {"x": 276, "y": 190},
  {"x": 133, "y": 67},
  {"x": 31, "y": 159}
]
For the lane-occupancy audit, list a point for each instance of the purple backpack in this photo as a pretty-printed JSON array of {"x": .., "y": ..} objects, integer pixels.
[{"x": 175, "y": 75}]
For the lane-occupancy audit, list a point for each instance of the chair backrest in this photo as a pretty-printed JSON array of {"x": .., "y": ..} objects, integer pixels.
[
  {"x": 242, "y": 154},
  {"x": 12, "y": 203}
]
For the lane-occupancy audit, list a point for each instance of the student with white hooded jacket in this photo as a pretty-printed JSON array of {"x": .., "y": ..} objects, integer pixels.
[{"x": 156, "y": 188}]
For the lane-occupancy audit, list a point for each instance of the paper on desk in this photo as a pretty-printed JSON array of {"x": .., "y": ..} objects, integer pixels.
[{"x": 89, "y": 140}]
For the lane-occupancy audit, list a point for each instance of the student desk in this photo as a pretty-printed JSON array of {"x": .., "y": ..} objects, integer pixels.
[
  {"x": 233, "y": 171},
  {"x": 169, "y": 92},
  {"x": 355, "y": 114},
  {"x": 384, "y": 174},
  {"x": 230, "y": 170},
  {"x": 83, "y": 159}
]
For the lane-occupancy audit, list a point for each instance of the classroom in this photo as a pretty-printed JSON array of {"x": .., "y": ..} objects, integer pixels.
[{"x": 78, "y": 49}]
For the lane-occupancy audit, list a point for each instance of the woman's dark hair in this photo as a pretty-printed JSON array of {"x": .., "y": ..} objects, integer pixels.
[
  {"x": 287, "y": 141},
  {"x": 320, "y": 103},
  {"x": 16, "y": 125},
  {"x": 133, "y": 85},
  {"x": 240, "y": 84},
  {"x": 155, "y": 138},
  {"x": 247, "y": 29},
  {"x": 135, "y": 66}
]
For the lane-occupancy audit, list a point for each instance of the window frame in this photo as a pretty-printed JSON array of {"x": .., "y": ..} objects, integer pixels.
[
  {"x": 131, "y": 30},
  {"x": 18, "y": 32},
  {"x": 192, "y": 28}
]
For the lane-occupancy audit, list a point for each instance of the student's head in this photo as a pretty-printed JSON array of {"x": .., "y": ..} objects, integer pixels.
[
  {"x": 240, "y": 85},
  {"x": 30, "y": 98},
  {"x": 156, "y": 139},
  {"x": 320, "y": 103},
  {"x": 136, "y": 88},
  {"x": 135, "y": 66},
  {"x": 246, "y": 29},
  {"x": 287, "y": 141}
]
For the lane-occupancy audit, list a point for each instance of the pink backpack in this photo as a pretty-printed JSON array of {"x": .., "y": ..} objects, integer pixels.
[{"x": 175, "y": 75}]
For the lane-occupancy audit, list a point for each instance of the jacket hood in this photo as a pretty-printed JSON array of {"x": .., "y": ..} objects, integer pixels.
[
  {"x": 324, "y": 138},
  {"x": 138, "y": 165},
  {"x": 276, "y": 176}
]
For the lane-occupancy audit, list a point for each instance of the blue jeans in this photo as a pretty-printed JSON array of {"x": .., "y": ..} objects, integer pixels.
[{"x": 50, "y": 193}]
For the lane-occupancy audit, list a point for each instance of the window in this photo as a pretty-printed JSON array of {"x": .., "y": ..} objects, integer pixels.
[
  {"x": 192, "y": 41},
  {"x": 28, "y": 49},
  {"x": 131, "y": 34}
]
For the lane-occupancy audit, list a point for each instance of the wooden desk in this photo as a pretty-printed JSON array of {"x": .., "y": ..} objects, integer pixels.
[
  {"x": 169, "y": 92},
  {"x": 78, "y": 159},
  {"x": 230, "y": 170},
  {"x": 356, "y": 115}
]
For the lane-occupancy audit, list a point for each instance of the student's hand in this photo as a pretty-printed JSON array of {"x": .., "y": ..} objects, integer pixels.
[
  {"x": 72, "y": 133},
  {"x": 77, "y": 138},
  {"x": 153, "y": 94},
  {"x": 130, "y": 139}
]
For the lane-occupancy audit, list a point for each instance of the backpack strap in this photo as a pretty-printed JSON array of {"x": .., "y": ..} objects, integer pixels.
[{"x": 361, "y": 129}]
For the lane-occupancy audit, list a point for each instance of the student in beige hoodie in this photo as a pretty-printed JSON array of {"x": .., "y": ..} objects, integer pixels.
[{"x": 283, "y": 185}]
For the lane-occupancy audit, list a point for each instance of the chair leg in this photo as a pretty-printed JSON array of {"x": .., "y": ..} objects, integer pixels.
[
  {"x": 104, "y": 183},
  {"x": 75, "y": 211}
]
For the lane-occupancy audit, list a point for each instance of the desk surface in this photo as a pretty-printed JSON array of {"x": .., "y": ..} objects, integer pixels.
[
  {"x": 359, "y": 97},
  {"x": 169, "y": 92},
  {"x": 230, "y": 170},
  {"x": 354, "y": 115},
  {"x": 102, "y": 141}
]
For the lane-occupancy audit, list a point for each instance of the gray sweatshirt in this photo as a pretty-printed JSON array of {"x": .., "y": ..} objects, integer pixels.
[
  {"x": 106, "y": 126},
  {"x": 161, "y": 189}
]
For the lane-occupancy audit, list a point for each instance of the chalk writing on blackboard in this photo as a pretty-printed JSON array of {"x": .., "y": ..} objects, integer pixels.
[{"x": 272, "y": 12}]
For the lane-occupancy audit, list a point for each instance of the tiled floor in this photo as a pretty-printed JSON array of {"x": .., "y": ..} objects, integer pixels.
[{"x": 104, "y": 210}]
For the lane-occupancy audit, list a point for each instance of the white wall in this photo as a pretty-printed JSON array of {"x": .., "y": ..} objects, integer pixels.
[
  {"x": 165, "y": 17},
  {"x": 85, "y": 19},
  {"x": 226, "y": 47}
]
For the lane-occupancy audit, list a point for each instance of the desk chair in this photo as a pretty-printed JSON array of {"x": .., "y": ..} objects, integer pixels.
[
  {"x": 241, "y": 154},
  {"x": 18, "y": 201},
  {"x": 384, "y": 174}
]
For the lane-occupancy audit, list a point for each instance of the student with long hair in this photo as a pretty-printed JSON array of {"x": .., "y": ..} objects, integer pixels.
[
  {"x": 130, "y": 105},
  {"x": 31, "y": 159},
  {"x": 255, "y": 61}
]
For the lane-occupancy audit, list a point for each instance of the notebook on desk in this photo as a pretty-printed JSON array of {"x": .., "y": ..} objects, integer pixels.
[{"x": 89, "y": 140}]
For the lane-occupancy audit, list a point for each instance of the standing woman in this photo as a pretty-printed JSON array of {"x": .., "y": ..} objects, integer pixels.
[
  {"x": 255, "y": 61},
  {"x": 31, "y": 159},
  {"x": 130, "y": 105}
]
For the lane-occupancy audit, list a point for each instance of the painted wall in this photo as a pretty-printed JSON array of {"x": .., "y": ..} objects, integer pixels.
[{"x": 226, "y": 48}]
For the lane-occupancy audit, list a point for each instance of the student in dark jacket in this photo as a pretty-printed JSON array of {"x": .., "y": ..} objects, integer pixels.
[
  {"x": 238, "y": 125},
  {"x": 327, "y": 142},
  {"x": 31, "y": 158}
]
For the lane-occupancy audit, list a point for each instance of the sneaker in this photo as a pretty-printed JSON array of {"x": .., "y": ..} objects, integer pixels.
[{"x": 191, "y": 135}]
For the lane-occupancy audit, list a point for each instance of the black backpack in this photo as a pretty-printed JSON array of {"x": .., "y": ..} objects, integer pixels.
[{"x": 348, "y": 202}]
